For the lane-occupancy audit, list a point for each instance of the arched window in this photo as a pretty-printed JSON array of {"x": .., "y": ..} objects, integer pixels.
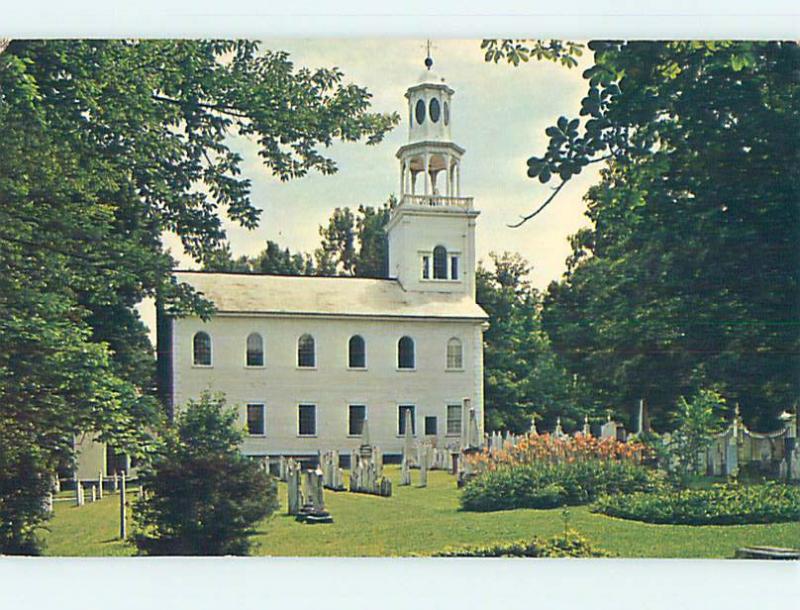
[
  {"x": 255, "y": 350},
  {"x": 419, "y": 111},
  {"x": 435, "y": 110},
  {"x": 201, "y": 345},
  {"x": 356, "y": 352},
  {"x": 405, "y": 353},
  {"x": 439, "y": 263},
  {"x": 455, "y": 354},
  {"x": 306, "y": 354}
]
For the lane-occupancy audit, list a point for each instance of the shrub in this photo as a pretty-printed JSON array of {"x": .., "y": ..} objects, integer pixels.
[
  {"x": 204, "y": 497},
  {"x": 727, "y": 504},
  {"x": 569, "y": 544},
  {"x": 546, "y": 485}
]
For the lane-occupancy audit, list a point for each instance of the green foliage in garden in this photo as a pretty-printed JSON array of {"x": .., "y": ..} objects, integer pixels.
[
  {"x": 203, "y": 496},
  {"x": 548, "y": 485},
  {"x": 727, "y": 504},
  {"x": 568, "y": 544},
  {"x": 698, "y": 421}
]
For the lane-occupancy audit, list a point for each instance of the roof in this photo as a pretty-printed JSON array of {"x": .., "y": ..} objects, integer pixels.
[{"x": 313, "y": 295}]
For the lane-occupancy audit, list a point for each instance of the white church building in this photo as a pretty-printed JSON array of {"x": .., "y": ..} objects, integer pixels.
[{"x": 306, "y": 360}]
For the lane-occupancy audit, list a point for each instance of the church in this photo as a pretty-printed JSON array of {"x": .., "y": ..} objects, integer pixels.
[{"x": 309, "y": 362}]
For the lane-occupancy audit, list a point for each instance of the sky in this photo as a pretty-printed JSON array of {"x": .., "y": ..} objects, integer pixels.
[{"x": 499, "y": 114}]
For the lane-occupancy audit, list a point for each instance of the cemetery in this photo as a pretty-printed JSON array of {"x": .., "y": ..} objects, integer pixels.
[{"x": 429, "y": 504}]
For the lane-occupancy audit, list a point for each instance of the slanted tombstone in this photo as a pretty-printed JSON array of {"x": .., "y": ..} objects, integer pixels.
[
  {"x": 57, "y": 484},
  {"x": 115, "y": 482},
  {"x": 48, "y": 502}
]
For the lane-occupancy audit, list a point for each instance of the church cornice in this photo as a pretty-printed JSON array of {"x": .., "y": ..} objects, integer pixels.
[{"x": 429, "y": 145}]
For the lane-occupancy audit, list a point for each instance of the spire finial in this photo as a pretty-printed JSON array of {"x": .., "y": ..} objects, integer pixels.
[{"x": 428, "y": 58}]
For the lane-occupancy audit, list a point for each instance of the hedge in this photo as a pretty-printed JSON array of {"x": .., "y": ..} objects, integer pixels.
[{"x": 728, "y": 504}]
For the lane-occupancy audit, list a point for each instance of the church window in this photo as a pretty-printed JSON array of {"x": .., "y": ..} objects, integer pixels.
[
  {"x": 453, "y": 419},
  {"x": 405, "y": 353},
  {"x": 431, "y": 425},
  {"x": 435, "y": 110},
  {"x": 439, "y": 263},
  {"x": 426, "y": 267},
  {"x": 356, "y": 416},
  {"x": 455, "y": 354},
  {"x": 419, "y": 111},
  {"x": 255, "y": 350},
  {"x": 255, "y": 420},
  {"x": 307, "y": 420},
  {"x": 202, "y": 349},
  {"x": 357, "y": 352},
  {"x": 306, "y": 353},
  {"x": 453, "y": 267},
  {"x": 401, "y": 419}
]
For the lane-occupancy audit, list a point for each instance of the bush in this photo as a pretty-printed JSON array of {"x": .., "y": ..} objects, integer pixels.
[
  {"x": 203, "y": 496},
  {"x": 546, "y": 485},
  {"x": 727, "y": 504},
  {"x": 569, "y": 544}
]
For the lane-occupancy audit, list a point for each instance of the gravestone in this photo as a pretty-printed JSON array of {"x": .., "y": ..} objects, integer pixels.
[
  {"x": 423, "y": 467},
  {"x": 405, "y": 472},
  {"x": 295, "y": 500},
  {"x": 78, "y": 493}
]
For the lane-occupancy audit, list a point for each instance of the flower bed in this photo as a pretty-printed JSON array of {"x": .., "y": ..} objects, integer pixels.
[
  {"x": 570, "y": 544},
  {"x": 547, "y": 471},
  {"x": 719, "y": 505}
]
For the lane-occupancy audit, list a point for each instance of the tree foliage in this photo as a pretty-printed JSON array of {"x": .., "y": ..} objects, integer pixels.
[
  {"x": 203, "y": 496},
  {"x": 522, "y": 378},
  {"x": 697, "y": 422},
  {"x": 105, "y": 146},
  {"x": 689, "y": 274}
]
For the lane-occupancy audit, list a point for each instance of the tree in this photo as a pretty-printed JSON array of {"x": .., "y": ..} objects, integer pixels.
[
  {"x": 522, "y": 378},
  {"x": 352, "y": 244},
  {"x": 690, "y": 274},
  {"x": 105, "y": 146},
  {"x": 204, "y": 496},
  {"x": 697, "y": 423}
]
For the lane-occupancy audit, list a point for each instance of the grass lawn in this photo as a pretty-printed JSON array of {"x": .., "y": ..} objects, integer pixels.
[{"x": 422, "y": 521}]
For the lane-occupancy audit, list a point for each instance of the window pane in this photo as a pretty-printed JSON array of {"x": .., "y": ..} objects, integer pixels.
[
  {"x": 401, "y": 412},
  {"x": 405, "y": 353},
  {"x": 426, "y": 267},
  {"x": 453, "y": 267},
  {"x": 305, "y": 351},
  {"x": 255, "y": 419},
  {"x": 439, "y": 263},
  {"x": 202, "y": 349},
  {"x": 453, "y": 419},
  {"x": 307, "y": 424},
  {"x": 255, "y": 350},
  {"x": 356, "y": 420},
  {"x": 430, "y": 425},
  {"x": 357, "y": 356},
  {"x": 455, "y": 357}
]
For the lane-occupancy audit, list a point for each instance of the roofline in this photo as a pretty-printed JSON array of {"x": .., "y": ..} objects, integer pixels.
[
  {"x": 305, "y": 314},
  {"x": 433, "y": 144},
  {"x": 292, "y": 275}
]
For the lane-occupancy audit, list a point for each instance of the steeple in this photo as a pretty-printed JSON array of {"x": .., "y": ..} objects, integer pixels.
[{"x": 440, "y": 256}]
